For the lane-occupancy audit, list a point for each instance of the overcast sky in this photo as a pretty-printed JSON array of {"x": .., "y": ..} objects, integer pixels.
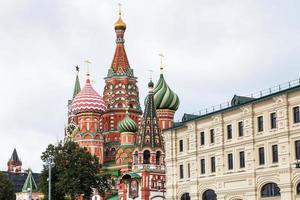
[{"x": 213, "y": 50}]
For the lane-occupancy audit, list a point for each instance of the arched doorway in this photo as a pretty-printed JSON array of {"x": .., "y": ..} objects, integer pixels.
[
  {"x": 270, "y": 190},
  {"x": 298, "y": 189},
  {"x": 185, "y": 196},
  {"x": 209, "y": 195}
]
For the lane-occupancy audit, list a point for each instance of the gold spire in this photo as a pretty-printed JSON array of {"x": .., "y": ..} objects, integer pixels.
[
  {"x": 120, "y": 24},
  {"x": 161, "y": 62}
]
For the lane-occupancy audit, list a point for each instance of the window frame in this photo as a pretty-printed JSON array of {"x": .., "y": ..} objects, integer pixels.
[
  {"x": 261, "y": 156},
  {"x": 274, "y": 153},
  {"x": 273, "y": 120},
  {"x": 260, "y": 123},
  {"x": 202, "y": 138},
  {"x": 296, "y": 114},
  {"x": 242, "y": 159},
  {"x": 213, "y": 164},
  {"x": 212, "y": 136},
  {"x": 181, "y": 145},
  {"x": 230, "y": 161},
  {"x": 181, "y": 171},
  {"x": 229, "y": 131},
  {"x": 202, "y": 166},
  {"x": 241, "y": 128}
]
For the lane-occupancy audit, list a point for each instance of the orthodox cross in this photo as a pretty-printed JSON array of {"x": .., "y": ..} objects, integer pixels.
[
  {"x": 120, "y": 5},
  {"x": 161, "y": 61},
  {"x": 88, "y": 66}
]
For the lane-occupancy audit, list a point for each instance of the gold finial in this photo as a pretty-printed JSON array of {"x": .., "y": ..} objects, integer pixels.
[
  {"x": 88, "y": 67},
  {"x": 120, "y": 25},
  {"x": 150, "y": 73},
  {"x": 161, "y": 62},
  {"x": 120, "y": 6}
]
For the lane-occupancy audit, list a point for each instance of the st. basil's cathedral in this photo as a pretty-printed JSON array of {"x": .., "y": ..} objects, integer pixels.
[{"x": 128, "y": 141}]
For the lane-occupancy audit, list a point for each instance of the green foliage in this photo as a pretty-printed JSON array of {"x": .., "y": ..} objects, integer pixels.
[
  {"x": 74, "y": 172},
  {"x": 6, "y": 188}
]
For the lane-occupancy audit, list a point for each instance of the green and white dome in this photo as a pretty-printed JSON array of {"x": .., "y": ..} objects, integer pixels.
[
  {"x": 164, "y": 97},
  {"x": 127, "y": 125}
]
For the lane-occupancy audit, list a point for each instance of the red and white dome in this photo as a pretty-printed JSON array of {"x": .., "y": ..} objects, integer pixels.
[{"x": 88, "y": 100}]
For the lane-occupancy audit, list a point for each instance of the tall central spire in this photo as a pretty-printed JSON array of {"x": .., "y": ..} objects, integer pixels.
[{"x": 120, "y": 65}]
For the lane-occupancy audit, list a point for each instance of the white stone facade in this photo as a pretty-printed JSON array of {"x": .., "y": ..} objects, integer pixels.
[{"x": 238, "y": 183}]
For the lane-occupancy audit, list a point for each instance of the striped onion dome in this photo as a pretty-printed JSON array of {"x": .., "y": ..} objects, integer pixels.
[
  {"x": 88, "y": 100},
  {"x": 127, "y": 125},
  {"x": 164, "y": 97}
]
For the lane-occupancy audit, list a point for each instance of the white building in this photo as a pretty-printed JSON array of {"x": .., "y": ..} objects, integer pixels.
[{"x": 246, "y": 150}]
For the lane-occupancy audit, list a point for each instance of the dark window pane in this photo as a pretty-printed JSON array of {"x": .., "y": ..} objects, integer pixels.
[
  {"x": 261, "y": 155},
  {"x": 296, "y": 114},
  {"x": 189, "y": 171},
  {"x": 229, "y": 131},
  {"x": 209, "y": 195},
  {"x": 273, "y": 120},
  {"x": 275, "y": 153},
  {"x": 241, "y": 129},
  {"x": 202, "y": 138},
  {"x": 242, "y": 159},
  {"x": 270, "y": 190},
  {"x": 202, "y": 163},
  {"x": 298, "y": 188},
  {"x": 181, "y": 171},
  {"x": 181, "y": 145},
  {"x": 213, "y": 164},
  {"x": 230, "y": 161},
  {"x": 260, "y": 122},
  {"x": 297, "y": 149},
  {"x": 212, "y": 136}
]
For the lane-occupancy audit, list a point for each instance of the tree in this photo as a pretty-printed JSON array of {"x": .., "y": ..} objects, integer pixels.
[
  {"x": 6, "y": 188},
  {"x": 74, "y": 172}
]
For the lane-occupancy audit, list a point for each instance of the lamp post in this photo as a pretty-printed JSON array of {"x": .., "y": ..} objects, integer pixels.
[{"x": 49, "y": 162}]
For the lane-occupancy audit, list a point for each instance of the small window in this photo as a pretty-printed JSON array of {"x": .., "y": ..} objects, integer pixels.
[
  {"x": 261, "y": 155},
  {"x": 296, "y": 114},
  {"x": 181, "y": 171},
  {"x": 230, "y": 161},
  {"x": 229, "y": 131},
  {"x": 202, "y": 138},
  {"x": 241, "y": 129},
  {"x": 202, "y": 165},
  {"x": 212, "y": 136},
  {"x": 180, "y": 145},
  {"x": 189, "y": 171},
  {"x": 273, "y": 120},
  {"x": 213, "y": 164},
  {"x": 297, "y": 149},
  {"x": 242, "y": 159},
  {"x": 275, "y": 153},
  {"x": 260, "y": 123}
]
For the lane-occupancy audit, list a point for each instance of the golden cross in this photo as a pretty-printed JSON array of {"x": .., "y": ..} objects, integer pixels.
[
  {"x": 161, "y": 61},
  {"x": 120, "y": 5},
  {"x": 88, "y": 66},
  {"x": 151, "y": 72}
]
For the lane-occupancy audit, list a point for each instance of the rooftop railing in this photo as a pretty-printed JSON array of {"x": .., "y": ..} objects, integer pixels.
[{"x": 256, "y": 95}]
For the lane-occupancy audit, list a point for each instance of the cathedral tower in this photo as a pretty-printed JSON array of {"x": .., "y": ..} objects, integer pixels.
[
  {"x": 87, "y": 107},
  {"x": 166, "y": 102},
  {"x": 120, "y": 87},
  {"x": 14, "y": 164}
]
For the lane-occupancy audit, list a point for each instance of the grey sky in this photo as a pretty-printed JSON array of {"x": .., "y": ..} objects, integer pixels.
[{"x": 213, "y": 50}]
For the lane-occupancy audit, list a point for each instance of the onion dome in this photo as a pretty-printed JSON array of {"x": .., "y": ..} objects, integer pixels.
[
  {"x": 164, "y": 97},
  {"x": 88, "y": 100},
  {"x": 127, "y": 125},
  {"x": 120, "y": 24}
]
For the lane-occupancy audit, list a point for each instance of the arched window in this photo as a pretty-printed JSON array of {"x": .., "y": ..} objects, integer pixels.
[
  {"x": 185, "y": 196},
  {"x": 146, "y": 156},
  {"x": 113, "y": 151},
  {"x": 270, "y": 190},
  {"x": 158, "y": 157},
  {"x": 209, "y": 195},
  {"x": 135, "y": 158},
  {"x": 298, "y": 188}
]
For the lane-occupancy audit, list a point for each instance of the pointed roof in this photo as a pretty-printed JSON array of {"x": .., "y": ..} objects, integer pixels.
[
  {"x": 77, "y": 88},
  {"x": 149, "y": 134},
  {"x": 14, "y": 157},
  {"x": 120, "y": 64},
  {"x": 30, "y": 184}
]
